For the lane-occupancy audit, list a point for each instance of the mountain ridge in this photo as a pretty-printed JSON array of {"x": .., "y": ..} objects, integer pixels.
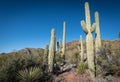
[{"x": 69, "y": 46}]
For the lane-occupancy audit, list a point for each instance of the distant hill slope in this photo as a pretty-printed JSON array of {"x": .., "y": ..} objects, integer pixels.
[
  {"x": 71, "y": 48},
  {"x": 27, "y": 51}
]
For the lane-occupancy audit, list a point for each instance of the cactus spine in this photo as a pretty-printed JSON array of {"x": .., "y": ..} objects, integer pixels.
[
  {"x": 51, "y": 51},
  {"x": 64, "y": 41},
  {"x": 86, "y": 26},
  {"x": 97, "y": 39}
]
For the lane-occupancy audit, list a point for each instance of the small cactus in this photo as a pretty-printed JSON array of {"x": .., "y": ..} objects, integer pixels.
[
  {"x": 45, "y": 59},
  {"x": 51, "y": 55},
  {"x": 80, "y": 48},
  {"x": 46, "y": 49},
  {"x": 59, "y": 46},
  {"x": 86, "y": 26}
]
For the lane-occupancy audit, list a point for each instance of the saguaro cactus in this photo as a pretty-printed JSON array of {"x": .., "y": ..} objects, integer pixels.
[
  {"x": 45, "y": 59},
  {"x": 46, "y": 50},
  {"x": 59, "y": 46},
  {"x": 64, "y": 41},
  {"x": 86, "y": 26},
  {"x": 97, "y": 39},
  {"x": 80, "y": 48},
  {"x": 81, "y": 45},
  {"x": 51, "y": 51}
]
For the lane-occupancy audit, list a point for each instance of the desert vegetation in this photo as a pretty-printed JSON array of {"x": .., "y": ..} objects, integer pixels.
[{"x": 96, "y": 58}]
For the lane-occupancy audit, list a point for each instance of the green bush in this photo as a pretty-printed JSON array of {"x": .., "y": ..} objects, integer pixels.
[
  {"x": 108, "y": 60},
  {"x": 81, "y": 67},
  {"x": 13, "y": 64}
]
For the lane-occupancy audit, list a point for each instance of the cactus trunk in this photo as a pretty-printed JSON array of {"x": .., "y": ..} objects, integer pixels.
[
  {"x": 45, "y": 59},
  {"x": 89, "y": 40},
  {"x": 90, "y": 54},
  {"x": 51, "y": 55},
  {"x": 97, "y": 39},
  {"x": 63, "y": 42},
  {"x": 59, "y": 45},
  {"x": 82, "y": 50}
]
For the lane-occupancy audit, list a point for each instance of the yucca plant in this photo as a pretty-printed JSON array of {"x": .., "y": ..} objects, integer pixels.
[{"x": 31, "y": 74}]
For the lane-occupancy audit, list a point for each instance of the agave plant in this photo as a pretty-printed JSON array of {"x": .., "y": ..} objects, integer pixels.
[{"x": 31, "y": 74}]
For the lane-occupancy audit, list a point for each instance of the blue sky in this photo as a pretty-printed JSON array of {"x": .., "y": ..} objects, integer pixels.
[{"x": 28, "y": 23}]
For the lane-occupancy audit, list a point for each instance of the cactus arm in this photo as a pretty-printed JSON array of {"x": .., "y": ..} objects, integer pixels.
[
  {"x": 87, "y": 16},
  {"x": 93, "y": 28},
  {"x": 97, "y": 22},
  {"x": 84, "y": 26}
]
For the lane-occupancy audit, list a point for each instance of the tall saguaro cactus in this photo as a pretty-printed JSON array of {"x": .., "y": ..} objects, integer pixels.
[
  {"x": 51, "y": 51},
  {"x": 86, "y": 26},
  {"x": 63, "y": 41},
  {"x": 97, "y": 39}
]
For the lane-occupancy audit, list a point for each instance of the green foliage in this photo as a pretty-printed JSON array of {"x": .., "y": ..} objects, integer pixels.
[
  {"x": 106, "y": 79},
  {"x": 81, "y": 67},
  {"x": 58, "y": 58},
  {"x": 108, "y": 60},
  {"x": 72, "y": 57},
  {"x": 75, "y": 58},
  {"x": 13, "y": 63},
  {"x": 31, "y": 74}
]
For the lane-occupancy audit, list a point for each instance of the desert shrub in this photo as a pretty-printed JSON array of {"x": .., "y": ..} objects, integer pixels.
[
  {"x": 72, "y": 57},
  {"x": 75, "y": 58},
  {"x": 81, "y": 67},
  {"x": 105, "y": 79},
  {"x": 3, "y": 59},
  {"x": 31, "y": 74},
  {"x": 58, "y": 58},
  {"x": 15, "y": 63},
  {"x": 108, "y": 60}
]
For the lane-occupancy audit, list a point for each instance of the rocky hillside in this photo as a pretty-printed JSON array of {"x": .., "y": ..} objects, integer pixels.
[{"x": 71, "y": 48}]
